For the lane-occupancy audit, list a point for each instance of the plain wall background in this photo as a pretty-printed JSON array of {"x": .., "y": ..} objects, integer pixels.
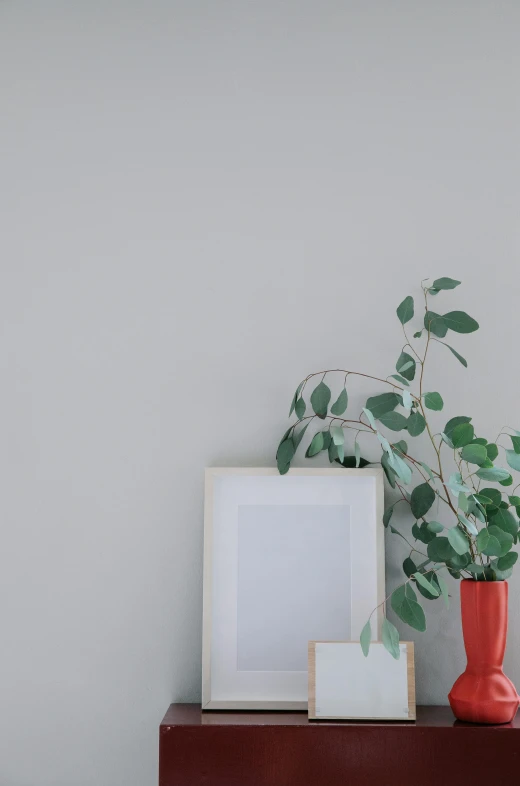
[{"x": 201, "y": 202}]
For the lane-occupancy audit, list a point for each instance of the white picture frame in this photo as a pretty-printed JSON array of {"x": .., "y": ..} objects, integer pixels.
[
  {"x": 287, "y": 559},
  {"x": 346, "y": 685}
]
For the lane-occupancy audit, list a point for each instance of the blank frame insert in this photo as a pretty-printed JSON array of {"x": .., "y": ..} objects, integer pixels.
[{"x": 293, "y": 582}]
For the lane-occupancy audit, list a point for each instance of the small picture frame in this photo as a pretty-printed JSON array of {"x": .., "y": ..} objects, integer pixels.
[{"x": 346, "y": 685}]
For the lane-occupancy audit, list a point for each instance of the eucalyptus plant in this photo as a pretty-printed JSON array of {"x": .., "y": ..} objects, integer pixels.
[{"x": 477, "y": 544}]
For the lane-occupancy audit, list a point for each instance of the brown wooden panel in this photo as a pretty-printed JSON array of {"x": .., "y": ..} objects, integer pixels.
[{"x": 285, "y": 749}]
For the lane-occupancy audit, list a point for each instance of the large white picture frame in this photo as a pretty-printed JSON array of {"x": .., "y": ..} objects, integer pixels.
[{"x": 287, "y": 559}]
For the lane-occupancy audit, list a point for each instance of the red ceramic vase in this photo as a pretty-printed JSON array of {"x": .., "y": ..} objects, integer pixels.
[{"x": 483, "y": 694}]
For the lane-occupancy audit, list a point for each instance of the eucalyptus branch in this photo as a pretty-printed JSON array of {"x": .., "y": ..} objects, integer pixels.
[{"x": 463, "y": 544}]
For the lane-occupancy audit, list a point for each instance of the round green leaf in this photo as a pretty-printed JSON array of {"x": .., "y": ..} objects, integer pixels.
[
  {"x": 440, "y": 550},
  {"x": 462, "y": 435},
  {"x": 406, "y": 366},
  {"x": 316, "y": 445},
  {"x": 416, "y": 424},
  {"x": 493, "y": 473},
  {"x": 445, "y": 283},
  {"x": 320, "y": 398},
  {"x": 433, "y": 401},
  {"x": 460, "y": 322},
  {"x": 474, "y": 454},
  {"x": 427, "y": 585},
  {"x": 423, "y": 497},
  {"x": 390, "y": 638},
  {"x": 506, "y": 562},
  {"x": 385, "y": 402},
  {"x": 492, "y": 451},
  {"x": 504, "y": 538},
  {"x": 394, "y": 421},
  {"x": 513, "y": 459},
  {"x": 341, "y": 403},
  {"x": 435, "y": 324},
  {"x": 300, "y": 408},
  {"x": 366, "y": 638},
  {"x": 505, "y": 520},
  {"x": 458, "y": 541},
  {"x": 405, "y": 310},
  {"x": 284, "y": 456},
  {"x": 453, "y": 423}
]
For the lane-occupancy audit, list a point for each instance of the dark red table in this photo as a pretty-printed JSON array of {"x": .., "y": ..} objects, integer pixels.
[{"x": 285, "y": 749}]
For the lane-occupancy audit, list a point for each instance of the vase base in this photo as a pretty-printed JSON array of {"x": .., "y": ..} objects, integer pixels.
[{"x": 468, "y": 706}]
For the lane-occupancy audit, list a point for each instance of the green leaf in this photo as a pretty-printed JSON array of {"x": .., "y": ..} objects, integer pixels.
[
  {"x": 423, "y": 497},
  {"x": 458, "y": 541},
  {"x": 400, "y": 379},
  {"x": 513, "y": 459},
  {"x": 349, "y": 462},
  {"x": 370, "y": 418},
  {"x": 492, "y": 494},
  {"x": 433, "y": 401},
  {"x": 418, "y": 334},
  {"x": 460, "y": 322},
  {"x": 444, "y": 591},
  {"x": 394, "y": 421},
  {"x": 380, "y": 405},
  {"x": 492, "y": 451},
  {"x": 316, "y": 445},
  {"x": 390, "y": 638},
  {"x": 467, "y": 524},
  {"x": 327, "y": 439},
  {"x": 427, "y": 469},
  {"x": 338, "y": 435},
  {"x": 409, "y": 566},
  {"x": 506, "y": 481},
  {"x": 440, "y": 550},
  {"x": 284, "y": 456},
  {"x": 445, "y": 283},
  {"x": 454, "y": 352},
  {"x": 495, "y": 473},
  {"x": 404, "y": 603},
  {"x": 422, "y": 532},
  {"x": 435, "y": 526},
  {"x": 297, "y": 438},
  {"x": 476, "y": 570},
  {"x": 341, "y": 403},
  {"x": 295, "y": 397},
  {"x": 504, "y": 538},
  {"x": 320, "y": 398},
  {"x": 427, "y": 585},
  {"x": 474, "y": 454},
  {"x": 453, "y": 423},
  {"x": 390, "y": 473},
  {"x": 456, "y": 485},
  {"x": 300, "y": 408},
  {"x": 405, "y": 310},
  {"x": 387, "y": 515},
  {"x": 462, "y": 435},
  {"x": 401, "y": 446},
  {"x": 407, "y": 400},
  {"x": 516, "y": 443},
  {"x": 406, "y": 366},
  {"x": 505, "y": 520},
  {"x": 514, "y": 500},
  {"x": 435, "y": 324},
  {"x": 416, "y": 424},
  {"x": 357, "y": 452},
  {"x": 366, "y": 638},
  {"x": 506, "y": 562},
  {"x": 402, "y": 468}
]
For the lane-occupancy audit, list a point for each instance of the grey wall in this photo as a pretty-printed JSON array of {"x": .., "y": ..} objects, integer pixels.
[{"x": 201, "y": 202}]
